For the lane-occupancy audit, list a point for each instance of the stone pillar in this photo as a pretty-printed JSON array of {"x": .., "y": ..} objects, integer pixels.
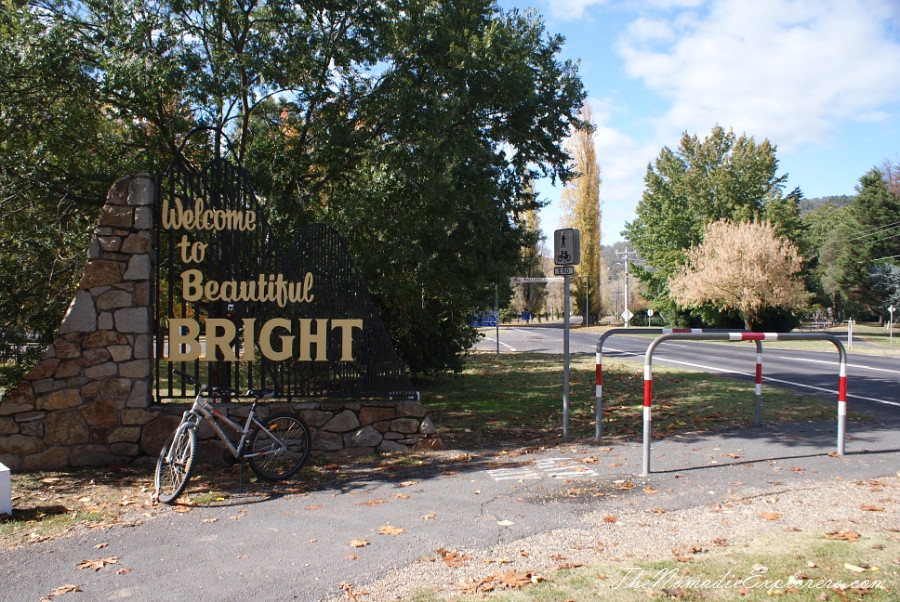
[{"x": 85, "y": 402}]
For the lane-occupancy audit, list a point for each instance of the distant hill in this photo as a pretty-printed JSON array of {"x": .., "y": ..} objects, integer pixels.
[{"x": 807, "y": 205}]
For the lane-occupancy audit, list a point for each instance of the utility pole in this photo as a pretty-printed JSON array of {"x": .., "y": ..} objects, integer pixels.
[{"x": 626, "y": 314}]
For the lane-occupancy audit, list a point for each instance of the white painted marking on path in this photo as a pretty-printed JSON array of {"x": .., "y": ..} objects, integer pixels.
[
  {"x": 494, "y": 343},
  {"x": 557, "y": 468}
]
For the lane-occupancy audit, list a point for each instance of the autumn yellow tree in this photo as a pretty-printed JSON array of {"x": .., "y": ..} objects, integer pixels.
[
  {"x": 580, "y": 202},
  {"x": 529, "y": 296},
  {"x": 743, "y": 267}
]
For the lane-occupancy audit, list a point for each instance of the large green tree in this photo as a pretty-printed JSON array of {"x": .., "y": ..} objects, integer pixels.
[
  {"x": 56, "y": 162},
  {"x": 412, "y": 126},
  {"x": 722, "y": 176},
  {"x": 867, "y": 237}
]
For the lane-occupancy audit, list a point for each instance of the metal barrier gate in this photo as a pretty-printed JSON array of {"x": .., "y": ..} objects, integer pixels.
[
  {"x": 598, "y": 406},
  {"x": 743, "y": 336}
]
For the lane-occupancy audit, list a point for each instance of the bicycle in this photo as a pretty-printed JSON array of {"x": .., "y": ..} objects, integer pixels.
[{"x": 275, "y": 448}]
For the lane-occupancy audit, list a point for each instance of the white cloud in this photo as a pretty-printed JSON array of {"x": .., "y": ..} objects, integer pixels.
[
  {"x": 788, "y": 70},
  {"x": 565, "y": 10}
]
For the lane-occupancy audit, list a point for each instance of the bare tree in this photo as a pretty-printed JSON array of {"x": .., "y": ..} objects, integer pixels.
[
  {"x": 744, "y": 267},
  {"x": 890, "y": 169}
]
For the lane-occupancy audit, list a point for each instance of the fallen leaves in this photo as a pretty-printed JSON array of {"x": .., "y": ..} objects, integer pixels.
[
  {"x": 452, "y": 559},
  {"x": 851, "y": 536},
  {"x": 350, "y": 594},
  {"x": 407, "y": 483},
  {"x": 510, "y": 580},
  {"x": 62, "y": 589},
  {"x": 770, "y": 516},
  {"x": 97, "y": 563},
  {"x": 497, "y": 561},
  {"x": 391, "y": 530},
  {"x": 870, "y": 508},
  {"x": 373, "y": 503},
  {"x": 513, "y": 580},
  {"x": 358, "y": 543},
  {"x": 610, "y": 519}
]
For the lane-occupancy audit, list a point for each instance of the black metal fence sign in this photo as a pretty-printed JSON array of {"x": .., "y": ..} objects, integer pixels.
[{"x": 231, "y": 304}]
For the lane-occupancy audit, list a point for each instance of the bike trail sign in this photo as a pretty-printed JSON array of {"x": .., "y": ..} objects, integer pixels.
[{"x": 566, "y": 247}]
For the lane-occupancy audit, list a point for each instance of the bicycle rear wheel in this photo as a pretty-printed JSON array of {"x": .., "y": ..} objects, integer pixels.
[
  {"x": 279, "y": 461},
  {"x": 172, "y": 474}
]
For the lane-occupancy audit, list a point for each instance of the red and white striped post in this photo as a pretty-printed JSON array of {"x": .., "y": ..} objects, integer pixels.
[
  {"x": 757, "y": 407},
  {"x": 598, "y": 412},
  {"x": 648, "y": 394},
  {"x": 842, "y": 403}
]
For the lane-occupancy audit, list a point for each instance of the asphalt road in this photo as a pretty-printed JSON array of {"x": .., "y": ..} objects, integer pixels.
[{"x": 873, "y": 382}]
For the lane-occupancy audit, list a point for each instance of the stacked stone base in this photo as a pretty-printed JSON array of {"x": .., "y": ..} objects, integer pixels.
[{"x": 337, "y": 428}]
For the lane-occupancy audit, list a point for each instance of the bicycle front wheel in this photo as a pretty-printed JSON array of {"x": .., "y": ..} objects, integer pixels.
[
  {"x": 173, "y": 470},
  {"x": 279, "y": 450}
]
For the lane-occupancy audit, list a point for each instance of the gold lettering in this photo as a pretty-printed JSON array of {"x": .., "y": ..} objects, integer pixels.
[
  {"x": 171, "y": 218},
  {"x": 220, "y": 340},
  {"x": 346, "y": 327},
  {"x": 179, "y": 339},
  {"x": 192, "y": 285},
  {"x": 307, "y": 339},
  {"x": 265, "y": 340},
  {"x": 249, "y": 340},
  {"x": 201, "y": 218},
  {"x": 307, "y": 287}
]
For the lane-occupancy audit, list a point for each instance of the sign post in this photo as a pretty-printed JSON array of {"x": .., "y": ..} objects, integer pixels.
[{"x": 566, "y": 253}]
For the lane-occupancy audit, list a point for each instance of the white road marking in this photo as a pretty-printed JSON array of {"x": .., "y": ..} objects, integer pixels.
[
  {"x": 557, "y": 468},
  {"x": 787, "y": 382},
  {"x": 494, "y": 341},
  {"x": 832, "y": 363}
]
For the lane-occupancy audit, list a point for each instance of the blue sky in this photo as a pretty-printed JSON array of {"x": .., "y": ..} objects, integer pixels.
[{"x": 818, "y": 78}]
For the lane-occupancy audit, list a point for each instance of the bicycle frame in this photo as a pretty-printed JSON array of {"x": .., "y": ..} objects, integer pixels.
[{"x": 203, "y": 409}]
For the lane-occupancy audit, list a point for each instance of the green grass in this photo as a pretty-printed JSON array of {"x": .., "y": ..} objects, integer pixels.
[
  {"x": 763, "y": 569},
  {"x": 516, "y": 399}
]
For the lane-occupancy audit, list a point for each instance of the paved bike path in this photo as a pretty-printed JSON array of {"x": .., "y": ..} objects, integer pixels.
[{"x": 298, "y": 546}]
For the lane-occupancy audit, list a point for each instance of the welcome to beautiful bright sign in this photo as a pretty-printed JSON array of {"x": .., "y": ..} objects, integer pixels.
[{"x": 231, "y": 301}]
